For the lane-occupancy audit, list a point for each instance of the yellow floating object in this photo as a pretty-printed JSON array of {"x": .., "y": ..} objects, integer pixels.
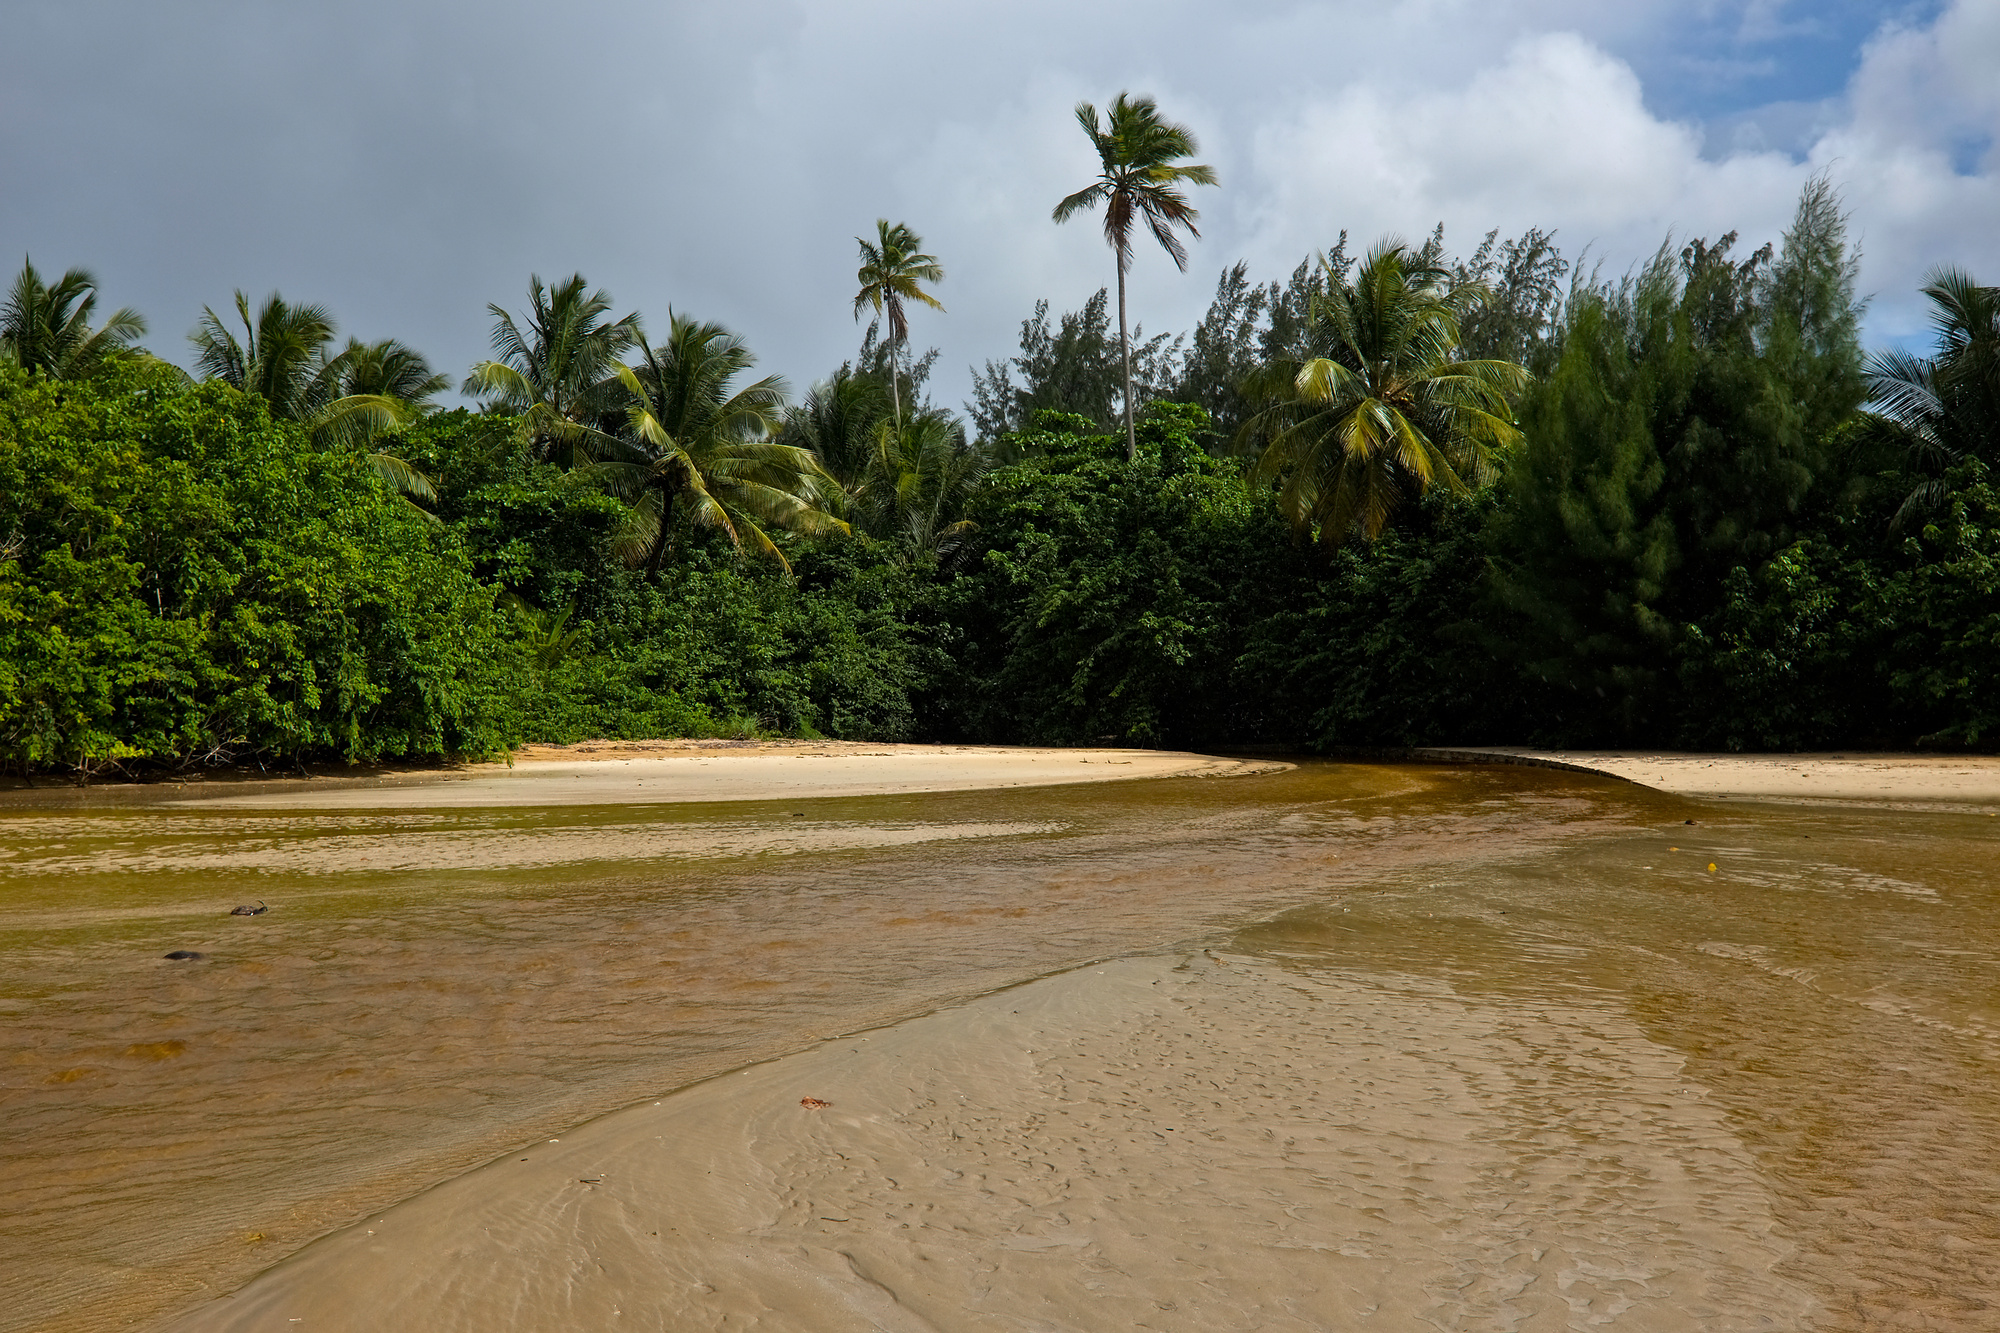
[{"x": 1711, "y": 867}]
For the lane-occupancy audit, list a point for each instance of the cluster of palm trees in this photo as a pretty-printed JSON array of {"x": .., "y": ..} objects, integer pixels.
[
  {"x": 354, "y": 396},
  {"x": 904, "y": 479},
  {"x": 673, "y": 430},
  {"x": 284, "y": 357},
  {"x": 671, "y": 433}
]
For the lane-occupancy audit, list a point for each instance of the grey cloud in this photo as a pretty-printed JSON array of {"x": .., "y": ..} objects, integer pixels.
[{"x": 406, "y": 163}]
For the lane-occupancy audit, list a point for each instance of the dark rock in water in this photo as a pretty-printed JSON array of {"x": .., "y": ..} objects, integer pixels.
[
  {"x": 185, "y": 956},
  {"x": 245, "y": 909}
]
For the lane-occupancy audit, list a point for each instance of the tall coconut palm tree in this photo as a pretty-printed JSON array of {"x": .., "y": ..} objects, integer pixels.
[
  {"x": 348, "y": 398},
  {"x": 560, "y": 374},
  {"x": 1384, "y": 409},
  {"x": 46, "y": 329},
  {"x": 698, "y": 453},
  {"x": 1140, "y": 178},
  {"x": 890, "y": 273},
  {"x": 1939, "y": 409}
]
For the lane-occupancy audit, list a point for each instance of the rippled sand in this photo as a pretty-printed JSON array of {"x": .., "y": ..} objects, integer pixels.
[
  {"x": 1213, "y": 1143},
  {"x": 395, "y": 1019},
  {"x": 1376, "y": 1047}
]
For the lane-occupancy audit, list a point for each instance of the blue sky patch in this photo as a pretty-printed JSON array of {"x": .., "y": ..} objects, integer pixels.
[{"x": 1718, "y": 66}]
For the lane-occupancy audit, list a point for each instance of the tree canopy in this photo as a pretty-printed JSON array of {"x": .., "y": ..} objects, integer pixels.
[{"x": 1396, "y": 496}]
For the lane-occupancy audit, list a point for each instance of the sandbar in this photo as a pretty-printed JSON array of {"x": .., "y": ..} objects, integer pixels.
[
  {"x": 1884, "y": 779},
  {"x": 648, "y": 772},
  {"x": 666, "y": 772}
]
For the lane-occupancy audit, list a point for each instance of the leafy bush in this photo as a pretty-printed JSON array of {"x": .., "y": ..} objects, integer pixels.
[
  {"x": 1945, "y": 653},
  {"x": 1106, "y": 602},
  {"x": 1381, "y": 646},
  {"x": 187, "y": 579}
]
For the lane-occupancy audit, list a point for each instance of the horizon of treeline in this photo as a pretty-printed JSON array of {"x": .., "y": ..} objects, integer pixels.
[{"x": 1682, "y": 506}]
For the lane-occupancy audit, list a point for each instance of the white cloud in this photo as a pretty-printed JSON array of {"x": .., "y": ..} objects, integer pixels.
[
  {"x": 1917, "y": 156},
  {"x": 1557, "y": 134}
]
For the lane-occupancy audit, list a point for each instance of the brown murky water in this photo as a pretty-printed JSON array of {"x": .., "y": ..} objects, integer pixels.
[{"x": 429, "y": 991}]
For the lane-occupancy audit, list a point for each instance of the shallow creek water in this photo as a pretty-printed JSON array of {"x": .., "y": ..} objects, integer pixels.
[{"x": 1557, "y": 1032}]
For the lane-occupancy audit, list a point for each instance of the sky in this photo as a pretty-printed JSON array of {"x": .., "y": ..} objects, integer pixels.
[{"x": 406, "y": 162}]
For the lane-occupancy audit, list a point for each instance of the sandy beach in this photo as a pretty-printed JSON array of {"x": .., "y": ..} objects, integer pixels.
[
  {"x": 1887, "y": 780},
  {"x": 657, "y": 772},
  {"x": 682, "y": 771}
]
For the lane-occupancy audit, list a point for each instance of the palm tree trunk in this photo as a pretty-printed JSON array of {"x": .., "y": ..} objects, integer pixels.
[
  {"x": 657, "y": 556},
  {"x": 895, "y": 391},
  {"x": 1125, "y": 351}
]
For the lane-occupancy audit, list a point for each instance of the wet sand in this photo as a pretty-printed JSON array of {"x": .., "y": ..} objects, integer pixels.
[
  {"x": 431, "y": 987},
  {"x": 1204, "y": 1142},
  {"x": 1474, "y": 1049}
]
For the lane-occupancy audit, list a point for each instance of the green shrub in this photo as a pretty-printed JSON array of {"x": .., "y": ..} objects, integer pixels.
[{"x": 189, "y": 580}]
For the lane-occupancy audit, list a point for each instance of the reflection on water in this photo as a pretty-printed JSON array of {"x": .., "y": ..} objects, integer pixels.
[{"x": 429, "y": 990}]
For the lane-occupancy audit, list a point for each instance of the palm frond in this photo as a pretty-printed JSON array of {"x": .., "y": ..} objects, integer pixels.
[
  {"x": 401, "y": 477},
  {"x": 500, "y": 382},
  {"x": 560, "y": 370},
  {"x": 1087, "y": 198}
]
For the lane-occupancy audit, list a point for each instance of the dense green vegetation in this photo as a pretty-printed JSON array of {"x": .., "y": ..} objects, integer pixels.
[
  {"x": 1393, "y": 500},
  {"x": 188, "y": 578}
]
